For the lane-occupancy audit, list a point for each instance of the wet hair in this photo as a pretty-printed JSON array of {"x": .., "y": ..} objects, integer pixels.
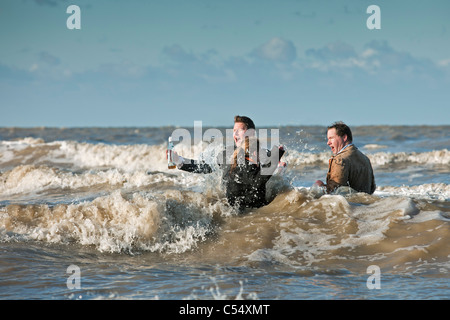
[
  {"x": 341, "y": 130},
  {"x": 250, "y": 144},
  {"x": 245, "y": 120}
]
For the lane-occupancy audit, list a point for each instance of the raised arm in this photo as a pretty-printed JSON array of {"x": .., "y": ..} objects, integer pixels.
[{"x": 189, "y": 165}]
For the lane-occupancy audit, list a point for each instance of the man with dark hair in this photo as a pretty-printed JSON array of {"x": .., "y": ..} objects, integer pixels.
[
  {"x": 245, "y": 120},
  {"x": 348, "y": 166}
]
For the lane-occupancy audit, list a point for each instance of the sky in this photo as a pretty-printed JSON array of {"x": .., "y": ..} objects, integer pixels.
[{"x": 146, "y": 63}]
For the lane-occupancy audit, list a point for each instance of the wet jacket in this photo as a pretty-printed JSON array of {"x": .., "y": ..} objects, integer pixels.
[
  {"x": 351, "y": 168},
  {"x": 245, "y": 185}
]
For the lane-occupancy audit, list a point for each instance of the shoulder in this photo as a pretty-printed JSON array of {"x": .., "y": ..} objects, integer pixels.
[
  {"x": 354, "y": 152},
  {"x": 345, "y": 156},
  {"x": 349, "y": 152},
  {"x": 353, "y": 155}
]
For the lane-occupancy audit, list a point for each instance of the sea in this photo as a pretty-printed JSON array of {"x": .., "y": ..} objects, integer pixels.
[{"x": 95, "y": 214}]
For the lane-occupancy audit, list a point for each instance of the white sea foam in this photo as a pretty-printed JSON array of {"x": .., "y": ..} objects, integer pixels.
[
  {"x": 437, "y": 157},
  {"x": 431, "y": 157},
  {"x": 171, "y": 223},
  {"x": 324, "y": 228},
  {"x": 88, "y": 155},
  {"x": 36, "y": 179},
  {"x": 152, "y": 157},
  {"x": 431, "y": 191},
  {"x": 125, "y": 157},
  {"x": 31, "y": 165},
  {"x": 372, "y": 146}
]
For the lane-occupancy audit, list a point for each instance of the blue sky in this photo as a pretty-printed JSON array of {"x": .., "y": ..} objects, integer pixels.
[{"x": 287, "y": 62}]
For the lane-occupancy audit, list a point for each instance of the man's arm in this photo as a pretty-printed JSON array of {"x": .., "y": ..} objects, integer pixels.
[
  {"x": 338, "y": 175},
  {"x": 189, "y": 165}
]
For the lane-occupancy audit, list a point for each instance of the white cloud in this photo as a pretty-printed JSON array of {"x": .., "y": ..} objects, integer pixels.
[
  {"x": 368, "y": 53},
  {"x": 34, "y": 67},
  {"x": 277, "y": 50},
  {"x": 377, "y": 58},
  {"x": 444, "y": 63}
]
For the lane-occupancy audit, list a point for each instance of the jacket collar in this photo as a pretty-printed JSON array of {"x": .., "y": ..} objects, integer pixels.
[{"x": 342, "y": 150}]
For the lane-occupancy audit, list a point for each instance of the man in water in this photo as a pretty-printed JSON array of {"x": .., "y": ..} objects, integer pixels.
[
  {"x": 244, "y": 175},
  {"x": 348, "y": 166}
]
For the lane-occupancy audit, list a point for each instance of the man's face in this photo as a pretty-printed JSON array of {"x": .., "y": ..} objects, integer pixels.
[
  {"x": 239, "y": 130},
  {"x": 335, "y": 142}
]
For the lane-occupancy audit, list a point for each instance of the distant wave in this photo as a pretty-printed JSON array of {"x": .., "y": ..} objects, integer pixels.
[
  {"x": 31, "y": 179},
  {"x": 73, "y": 155},
  {"x": 430, "y": 191},
  {"x": 377, "y": 159}
]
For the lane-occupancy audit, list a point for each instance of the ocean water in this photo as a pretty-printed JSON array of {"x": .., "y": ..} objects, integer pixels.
[{"x": 94, "y": 213}]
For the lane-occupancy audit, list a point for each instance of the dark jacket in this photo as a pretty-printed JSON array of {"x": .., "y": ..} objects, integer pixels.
[{"x": 245, "y": 184}]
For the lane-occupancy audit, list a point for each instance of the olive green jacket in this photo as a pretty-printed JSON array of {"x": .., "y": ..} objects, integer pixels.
[{"x": 351, "y": 168}]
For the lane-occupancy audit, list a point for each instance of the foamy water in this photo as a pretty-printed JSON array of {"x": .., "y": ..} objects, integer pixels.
[{"x": 104, "y": 200}]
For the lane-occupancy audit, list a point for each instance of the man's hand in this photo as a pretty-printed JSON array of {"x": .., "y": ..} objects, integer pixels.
[
  {"x": 175, "y": 157},
  {"x": 319, "y": 183}
]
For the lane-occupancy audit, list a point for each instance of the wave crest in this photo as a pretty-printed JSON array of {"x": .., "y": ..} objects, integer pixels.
[{"x": 171, "y": 223}]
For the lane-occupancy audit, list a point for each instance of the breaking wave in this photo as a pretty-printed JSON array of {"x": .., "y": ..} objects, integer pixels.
[{"x": 438, "y": 157}]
